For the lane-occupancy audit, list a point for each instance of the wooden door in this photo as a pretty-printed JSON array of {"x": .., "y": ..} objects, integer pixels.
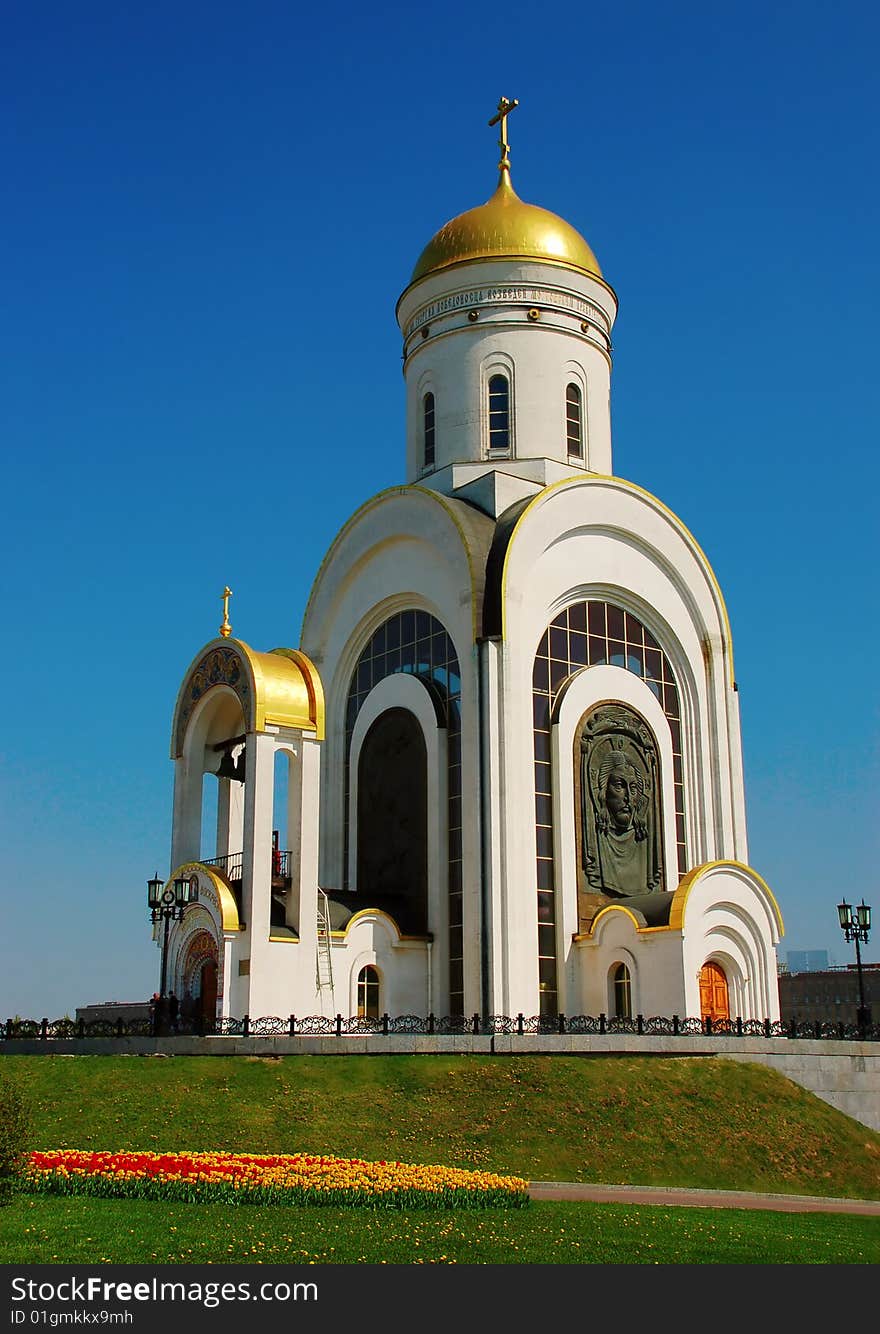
[
  {"x": 714, "y": 996},
  {"x": 208, "y": 996}
]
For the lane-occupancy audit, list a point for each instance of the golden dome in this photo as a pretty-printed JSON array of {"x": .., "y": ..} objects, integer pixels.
[
  {"x": 279, "y": 688},
  {"x": 506, "y": 228}
]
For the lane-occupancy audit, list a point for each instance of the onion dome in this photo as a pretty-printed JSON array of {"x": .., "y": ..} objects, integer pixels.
[{"x": 506, "y": 228}]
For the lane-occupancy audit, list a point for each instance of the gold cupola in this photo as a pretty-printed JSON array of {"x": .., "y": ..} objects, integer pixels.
[{"x": 506, "y": 227}]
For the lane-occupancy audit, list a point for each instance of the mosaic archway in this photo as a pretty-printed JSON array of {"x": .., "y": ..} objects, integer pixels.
[{"x": 199, "y": 981}]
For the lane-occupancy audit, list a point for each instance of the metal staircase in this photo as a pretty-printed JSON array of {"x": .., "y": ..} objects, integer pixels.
[{"x": 324, "y": 966}]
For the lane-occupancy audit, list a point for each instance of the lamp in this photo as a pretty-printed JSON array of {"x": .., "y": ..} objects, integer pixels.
[
  {"x": 855, "y": 925},
  {"x": 154, "y": 891},
  {"x": 167, "y": 905}
]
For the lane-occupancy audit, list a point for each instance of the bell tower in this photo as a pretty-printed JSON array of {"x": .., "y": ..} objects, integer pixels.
[{"x": 506, "y": 326}]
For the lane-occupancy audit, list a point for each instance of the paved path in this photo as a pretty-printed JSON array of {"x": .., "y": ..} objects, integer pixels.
[{"x": 712, "y": 1199}]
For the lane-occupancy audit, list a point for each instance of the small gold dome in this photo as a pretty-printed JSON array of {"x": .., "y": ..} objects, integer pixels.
[{"x": 506, "y": 228}]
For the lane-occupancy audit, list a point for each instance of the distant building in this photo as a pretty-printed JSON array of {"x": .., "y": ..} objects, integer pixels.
[
  {"x": 830, "y": 995},
  {"x": 113, "y": 1010},
  {"x": 807, "y": 961}
]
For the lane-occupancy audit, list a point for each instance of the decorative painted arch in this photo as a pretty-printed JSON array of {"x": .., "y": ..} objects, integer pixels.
[{"x": 281, "y": 687}]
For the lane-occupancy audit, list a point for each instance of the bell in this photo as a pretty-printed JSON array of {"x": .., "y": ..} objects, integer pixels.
[{"x": 230, "y": 768}]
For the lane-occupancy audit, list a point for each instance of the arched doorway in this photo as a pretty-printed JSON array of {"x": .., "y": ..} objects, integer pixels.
[
  {"x": 714, "y": 995},
  {"x": 200, "y": 979}
]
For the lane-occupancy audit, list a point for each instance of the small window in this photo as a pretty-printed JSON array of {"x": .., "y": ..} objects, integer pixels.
[
  {"x": 428, "y": 430},
  {"x": 574, "y": 430},
  {"x": 622, "y": 992},
  {"x": 368, "y": 993},
  {"x": 499, "y": 413}
]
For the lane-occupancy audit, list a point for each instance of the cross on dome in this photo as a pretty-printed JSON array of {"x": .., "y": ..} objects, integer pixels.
[
  {"x": 505, "y": 106},
  {"x": 226, "y": 628}
]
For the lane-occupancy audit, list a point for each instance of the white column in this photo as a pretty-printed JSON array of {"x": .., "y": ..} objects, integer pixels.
[
  {"x": 257, "y": 858},
  {"x": 307, "y": 789},
  {"x": 230, "y": 817},
  {"x": 186, "y": 825},
  {"x": 490, "y": 819},
  {"x": 293, "y": 756}
]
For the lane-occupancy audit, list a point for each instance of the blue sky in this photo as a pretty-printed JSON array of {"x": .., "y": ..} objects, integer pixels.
[{"x": 209, "y": 213}]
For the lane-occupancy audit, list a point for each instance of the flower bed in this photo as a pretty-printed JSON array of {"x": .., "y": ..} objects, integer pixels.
[{"x": 248, "y": 1178}]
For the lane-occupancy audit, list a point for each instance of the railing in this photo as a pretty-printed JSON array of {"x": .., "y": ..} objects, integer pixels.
[
  {"x": 414, "y": 1025},
  {"x": 231, "y": 865}
]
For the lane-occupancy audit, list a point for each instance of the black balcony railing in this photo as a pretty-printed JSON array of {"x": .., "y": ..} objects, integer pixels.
[
  {"x": 415, "y": 1025},
  {"x": 230, "y": 866}
]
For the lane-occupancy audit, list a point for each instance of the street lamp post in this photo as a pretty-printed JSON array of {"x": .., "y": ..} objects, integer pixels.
[
  {"x": 166, "y": 906},
  {"x": 856, "y": 924}
]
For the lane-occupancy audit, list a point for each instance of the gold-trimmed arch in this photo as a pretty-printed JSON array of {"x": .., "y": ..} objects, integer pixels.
[
  {"x": 532, "y": 503},
  {"x": 472, "y": 527},
  {"x": 687, "y": 882},
  {"x": 281, "y": 688},
  {"x": 375, "y": 912},
  {"x": 617, "y": 907},
  {"x": 229, "y": 919}
]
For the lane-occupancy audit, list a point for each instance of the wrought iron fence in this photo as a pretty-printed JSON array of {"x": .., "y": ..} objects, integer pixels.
[{"x": 431, "y": 1025}]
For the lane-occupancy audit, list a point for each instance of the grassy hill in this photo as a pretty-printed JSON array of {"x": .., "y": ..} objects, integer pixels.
[
  {"x": 642, "y": 1120},
  {"x": 657, "y": 1121}
]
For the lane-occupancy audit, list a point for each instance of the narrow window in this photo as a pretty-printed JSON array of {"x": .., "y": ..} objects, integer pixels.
[
  {"x": 368, "y": 993},
  {"x": 574, "y": 431},
  {"x": 622, "y": 992},
  {"x": 499, "y": 413},
  {"x": 428, "y": 429}
]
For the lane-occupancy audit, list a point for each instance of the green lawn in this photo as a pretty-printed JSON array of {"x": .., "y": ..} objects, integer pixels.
[
  {"x": 46, "y": 1229},
  {"x": 653, "y": 1121}
]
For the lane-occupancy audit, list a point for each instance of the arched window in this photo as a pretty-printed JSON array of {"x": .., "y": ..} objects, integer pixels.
[
  {"x": 574, "y": 429},
  {"x": 587, "y": 634},
  {"x": 368, "y": 993},
  {"x": 428, "y": 430},
  {"x": 393, "y": 795},
  {"x": 622, "y": 992},
  {"x": 499, "y": 413},
  {"x": 413, "y": 641}
]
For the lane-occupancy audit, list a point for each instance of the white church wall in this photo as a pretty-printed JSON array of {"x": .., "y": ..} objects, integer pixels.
[
  {"x": 603, "y": 539},
  {"x": 403, "y": 551},
  {"x": 402, "y": 964},
  {"x": 537, "y": 318},
  {"x": 606, "y": 540},
  {"x": 653, "y": 957},
  {"x": 367, "y": 578}
]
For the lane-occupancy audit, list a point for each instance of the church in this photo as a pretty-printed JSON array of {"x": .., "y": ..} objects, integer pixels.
[{"x": 507, "y": 747}]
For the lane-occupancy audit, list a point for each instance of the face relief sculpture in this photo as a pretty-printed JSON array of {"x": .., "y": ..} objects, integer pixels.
[{"x": 619, "y": 804}]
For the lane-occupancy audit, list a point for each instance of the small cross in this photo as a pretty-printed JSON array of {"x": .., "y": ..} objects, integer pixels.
[
  {"x": 505, "y": 106},
  {"x": 226, "y": 628}
]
